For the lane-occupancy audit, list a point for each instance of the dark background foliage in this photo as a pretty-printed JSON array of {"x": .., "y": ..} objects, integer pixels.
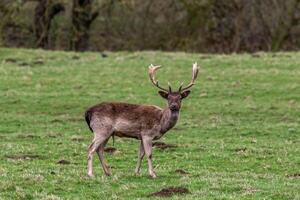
[{"x": 174, "y": 25}]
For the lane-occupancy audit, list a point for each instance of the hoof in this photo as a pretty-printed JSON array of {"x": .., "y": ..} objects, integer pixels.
[
  {"x": 90, "y": 175},
  {"x": 153, "y": 175},
  {"x": 108, "y": 174}
]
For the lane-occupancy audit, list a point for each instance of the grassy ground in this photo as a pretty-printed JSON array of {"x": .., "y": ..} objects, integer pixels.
[{"x": 238, "y": 135}]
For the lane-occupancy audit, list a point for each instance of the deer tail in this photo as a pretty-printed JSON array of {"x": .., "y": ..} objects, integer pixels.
[{"x": 88, "y": 116}]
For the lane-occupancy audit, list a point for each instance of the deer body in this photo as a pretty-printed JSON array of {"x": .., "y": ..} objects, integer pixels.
[
  {"x": 131, "y": 120},
  {"x": 143, "y": 122}
]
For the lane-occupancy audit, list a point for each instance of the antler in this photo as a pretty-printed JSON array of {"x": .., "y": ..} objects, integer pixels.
[
  {"x": 194, "y": 76},
  {"x": 151, "y": 71}
]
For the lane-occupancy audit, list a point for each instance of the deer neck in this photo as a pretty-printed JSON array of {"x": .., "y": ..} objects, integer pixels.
[{"x": 168, "y": 120}]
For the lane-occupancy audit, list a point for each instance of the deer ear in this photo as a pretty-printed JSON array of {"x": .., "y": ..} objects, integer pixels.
[
  {"x": 163, "y": 94},
  {"x": 185, "y": 94}
]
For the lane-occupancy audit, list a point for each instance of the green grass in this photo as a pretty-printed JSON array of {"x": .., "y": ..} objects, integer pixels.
[{"x": 238, "y": 135}]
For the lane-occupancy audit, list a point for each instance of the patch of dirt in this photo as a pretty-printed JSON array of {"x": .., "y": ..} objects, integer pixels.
[
  {"x": 10, "y": 60},
  {"x": 23, "y": 157},
  {"x": 110, "y": 150},
  {"x": 23, "y": 64},
  {"x": 56, "y": 121},
  {"x": 54, "y": 135},
  {"x": 75, "y": 57},
  {"x": 64, "y": 162},
  {"x": 28, "y": 136},
  {"x": 295, "y": 175},
  {"x": 182, "y": 172},
  {"x": 167, "y": 192},
  {"x": 163, "y": 146}
]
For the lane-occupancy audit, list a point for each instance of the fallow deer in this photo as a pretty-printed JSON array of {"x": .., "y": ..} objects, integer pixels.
[{"x": 143, "y": 122}]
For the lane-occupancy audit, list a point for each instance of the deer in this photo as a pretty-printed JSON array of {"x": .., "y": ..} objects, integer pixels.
[{"x": 142, "y": 122}]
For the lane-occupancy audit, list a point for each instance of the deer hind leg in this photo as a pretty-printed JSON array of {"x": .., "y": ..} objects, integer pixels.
[
  {"x": 140, "y": 158},
  {"x": 98, "y": 140},
  {"x": 147, "y": 142},
  {"x": 103, "y": 162}
]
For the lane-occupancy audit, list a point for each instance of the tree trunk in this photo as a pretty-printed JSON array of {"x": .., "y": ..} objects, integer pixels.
[
  {"x": 44, "y": 13},
  {"x": 82, "y": 17}
]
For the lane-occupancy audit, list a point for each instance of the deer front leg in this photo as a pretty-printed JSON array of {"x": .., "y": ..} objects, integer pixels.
[
  {"x": 147, "y": 142},
  {"x": 140, "y": 158}
]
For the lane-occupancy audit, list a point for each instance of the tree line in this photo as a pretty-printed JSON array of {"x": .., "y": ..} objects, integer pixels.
[{"x": 212, "y": 26}]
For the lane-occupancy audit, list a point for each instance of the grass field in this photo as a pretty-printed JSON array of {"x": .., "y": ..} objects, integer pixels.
[{"x": 238, "y": 136}]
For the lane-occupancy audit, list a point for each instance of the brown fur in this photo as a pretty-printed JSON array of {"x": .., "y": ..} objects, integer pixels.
[{"x": 128, "y": 120}]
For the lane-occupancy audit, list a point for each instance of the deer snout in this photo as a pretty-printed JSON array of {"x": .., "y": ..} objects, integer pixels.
[{"x": 174, "y": 107}]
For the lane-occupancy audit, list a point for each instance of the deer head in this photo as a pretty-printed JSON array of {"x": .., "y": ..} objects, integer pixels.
[{"x": 174, "y": 98}]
